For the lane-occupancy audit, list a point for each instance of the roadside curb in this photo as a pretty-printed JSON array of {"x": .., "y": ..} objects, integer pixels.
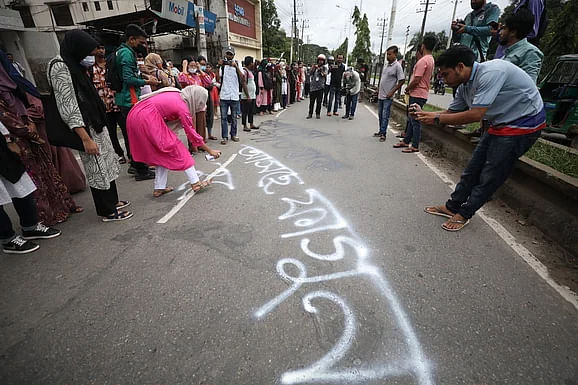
[{"x": 548, "y": 198}]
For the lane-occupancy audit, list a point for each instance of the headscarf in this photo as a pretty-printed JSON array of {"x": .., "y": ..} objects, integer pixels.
[
  {"x": 151, "y": 62},
  {"x": 75, "y": 46},
  {"x": 9, "y": 94},
  {"x": 20, "y": 81},
  {"x": 196, "y": 99}
]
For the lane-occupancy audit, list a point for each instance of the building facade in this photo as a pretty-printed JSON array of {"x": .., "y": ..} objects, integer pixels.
[{"x": 32, "y": 29}]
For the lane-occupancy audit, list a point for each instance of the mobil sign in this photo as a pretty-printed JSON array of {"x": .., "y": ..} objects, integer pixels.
[{"x": 180, "y": 11}]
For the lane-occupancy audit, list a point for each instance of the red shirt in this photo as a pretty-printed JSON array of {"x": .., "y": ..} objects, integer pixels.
[{"x": 424, "y": 68}]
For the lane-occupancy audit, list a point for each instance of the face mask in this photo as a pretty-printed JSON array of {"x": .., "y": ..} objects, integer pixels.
[
  {"x": 203, "y": 68},
  {"x": 87, "y": 61},
  {"x": 140, "y": 62},
  {"x": 192, "y": 70}
]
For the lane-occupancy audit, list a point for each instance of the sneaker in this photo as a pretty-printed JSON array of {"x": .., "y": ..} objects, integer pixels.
[
  {"x": 224, "y": 141},
  {"x": 147, "y": 176},
  {"x": 377, "y": 134},
  {"x": 382, "y": 138},
  {"x": 131, "y": 170},
  {"x": 254, "y": 127},
  {"x": 345, "y": 117},
  {"x": 247, "y": 129},
  {"x": 41, "y": 232},
  {"x": 309, "y": 116},
  {"x": 119, "y": 216},
  {"x": 19, "y": 246},
  {"x": 235, "y": 138},
  {"x": 317, "y": 116},
  {"x": 351, "y": 117}
]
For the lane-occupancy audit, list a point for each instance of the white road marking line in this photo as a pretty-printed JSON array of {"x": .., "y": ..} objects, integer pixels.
[
  {"x": 279, "y": 114},
  {"x": 191, "y": 193},
  {"x": 564, "y": 291}
]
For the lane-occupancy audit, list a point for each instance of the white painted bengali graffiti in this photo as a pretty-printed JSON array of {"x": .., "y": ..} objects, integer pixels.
[{"x": 315, "y": 215}]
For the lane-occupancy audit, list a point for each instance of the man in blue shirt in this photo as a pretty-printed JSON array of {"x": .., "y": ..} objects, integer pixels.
[
  {"x": 475, "y": 31},
  {"x": 508, "y": 98},
  {"x": 518, "y": 50}
]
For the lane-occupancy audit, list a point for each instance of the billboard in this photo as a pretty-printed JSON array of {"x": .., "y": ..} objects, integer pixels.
[
  {"x": 241, "y": 15},
  {"x": 180, "y": 11},
  {"x": 210, "y": 21}
]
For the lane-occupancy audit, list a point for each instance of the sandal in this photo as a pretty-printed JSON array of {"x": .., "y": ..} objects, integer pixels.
[
  {"x": 200, "y": 186},
  {"x": 122, "y": 204},
  {"x": 160, "y": 192},
  {"x": 457, "y": 222},
  {"x": 118, "y": 216},
  {"x": 77, "y": 210},
  {"x": 400, "y": 145},
  {"x": 122, "y": 160},
  {"x": 213, "y": 137},
  {"x": 410, "y": 150},
  {"x": 433, "y": 210}
]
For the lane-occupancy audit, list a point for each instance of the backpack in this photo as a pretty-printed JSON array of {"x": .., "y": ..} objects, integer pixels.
[
  {"x": 267, "y": 81},
  {"x": 113, "y": 79}
]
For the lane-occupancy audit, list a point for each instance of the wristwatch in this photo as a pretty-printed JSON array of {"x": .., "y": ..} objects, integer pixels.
[{"x": 437, "y": 119}]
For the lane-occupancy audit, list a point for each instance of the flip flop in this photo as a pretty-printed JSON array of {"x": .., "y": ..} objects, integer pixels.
[
  {"x": 77, "y": 210},
  {"x": 430, "y": 210},
  {"x": 410, "y": 150},
  {"x": 159, "y": 193},
  {"x": 463, "y": 223},
  {"x": 400, "y": 145}
]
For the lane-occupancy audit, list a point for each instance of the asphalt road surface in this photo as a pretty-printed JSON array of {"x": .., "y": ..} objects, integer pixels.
[{"x": 310, "y": 261}]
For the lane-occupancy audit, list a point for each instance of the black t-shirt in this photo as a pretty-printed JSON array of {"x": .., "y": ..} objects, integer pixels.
[{"x": 336, "y": 75}]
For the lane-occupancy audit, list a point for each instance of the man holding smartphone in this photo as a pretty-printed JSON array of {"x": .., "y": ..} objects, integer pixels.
[
  {"x": 232, "y": 81},
  {"x": 508, "y": 98}
]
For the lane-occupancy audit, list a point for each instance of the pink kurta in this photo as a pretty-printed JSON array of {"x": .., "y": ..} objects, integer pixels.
[{"x": 152, "y": 141}]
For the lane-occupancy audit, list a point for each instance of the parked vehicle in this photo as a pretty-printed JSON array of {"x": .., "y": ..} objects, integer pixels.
[
  {"x": 439, "y": 86},
  {"x": 559, "y": 90}
]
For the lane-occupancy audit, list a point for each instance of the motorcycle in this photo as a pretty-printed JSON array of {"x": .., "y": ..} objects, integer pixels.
[{"x": 440, "y": 87}]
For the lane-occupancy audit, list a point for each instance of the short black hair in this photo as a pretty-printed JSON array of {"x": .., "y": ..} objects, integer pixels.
[
  {"x": 393, "y": 48},
  {"x": 340, "y": 55},
  {"x": 522, "y": 22},
  {"x": 248, "y": 60},
  {"x": 201, "y": 58},
  {"x": 133, "y": 30},
  {"x": 456, "y": 54},
  {"x": 430, "y": 42}
]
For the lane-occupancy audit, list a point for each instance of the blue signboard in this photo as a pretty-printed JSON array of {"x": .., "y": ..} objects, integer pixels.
[
  {"x": 191, "y": 19},
  {"x": 210, "y": 21}
]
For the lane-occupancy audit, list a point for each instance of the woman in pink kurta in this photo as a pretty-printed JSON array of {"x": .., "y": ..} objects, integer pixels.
[{"x": 154, "y": 143}]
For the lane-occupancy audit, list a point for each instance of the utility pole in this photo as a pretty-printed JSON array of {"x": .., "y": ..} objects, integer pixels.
[
  {"x": 453, "y": 18},
  {"x": 300, "y": 55},
  {"x": 405, "y": 45},
  {"x": 391, "y": 21},
  {"x": 379, "y": 67},
  {"x": 425, "y": 11},
  {"x": 295, "y": 23},
  {"x": 292, "y": 35}
]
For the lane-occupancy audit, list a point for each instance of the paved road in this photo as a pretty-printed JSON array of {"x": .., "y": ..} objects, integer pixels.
[
  {"x": 442, "y": 101},
  {"x": 310, "y": 262}
]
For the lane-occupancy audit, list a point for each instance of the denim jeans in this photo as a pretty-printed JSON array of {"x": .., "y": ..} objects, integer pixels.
[
  {"x": 413, "y": 133},
  {"x": 351, "y": 104},
  {"x": 234, "y": 106},
  {"x": 384, "y": 111},
  {"x": 333, "y": 99},
  {"x": 492, "y": 163}
]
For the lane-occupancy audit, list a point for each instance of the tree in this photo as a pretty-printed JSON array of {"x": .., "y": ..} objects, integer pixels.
[
  {"x": 342, "y": 49},
  {"x": 311, "y": 51},
  {"x": 275, "y": 41},
  {"x": 362, "y": 49}
]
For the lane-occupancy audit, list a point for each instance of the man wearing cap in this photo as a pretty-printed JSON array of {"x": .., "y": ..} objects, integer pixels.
[{"x": 232, "y": 81}]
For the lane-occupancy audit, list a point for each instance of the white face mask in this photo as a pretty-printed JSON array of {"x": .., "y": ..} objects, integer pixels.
[
  {"x": 88, "y": 61},
  {"x": 140, "y": 62}
]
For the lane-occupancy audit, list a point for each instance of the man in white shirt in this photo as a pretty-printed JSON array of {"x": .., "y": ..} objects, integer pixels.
[
  {"x": 330, "y": 61},
  {"x": 231, "y": 80}
]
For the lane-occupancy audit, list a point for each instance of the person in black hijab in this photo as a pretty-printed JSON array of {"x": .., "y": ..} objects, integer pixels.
[{"x": 83, "y": 111}]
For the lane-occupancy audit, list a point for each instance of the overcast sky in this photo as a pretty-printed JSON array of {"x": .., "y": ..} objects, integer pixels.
[{"x": 328, "y": 24}]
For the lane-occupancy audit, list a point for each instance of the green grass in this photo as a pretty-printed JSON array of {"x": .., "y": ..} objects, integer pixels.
[
  {"x": 430, "y": 108},
  {"x": 560, "y": 160}
]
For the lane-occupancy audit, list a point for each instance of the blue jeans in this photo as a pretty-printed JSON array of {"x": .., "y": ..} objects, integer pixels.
[
  {"x": 351, "y": 104},
  {"x": 384, "y": 111},
  {"x": 492, "y": 163},
  {"x": 413, "y": 133},
  {"x": 234, "y": 106},
  {"x": 333, "y": 99}
]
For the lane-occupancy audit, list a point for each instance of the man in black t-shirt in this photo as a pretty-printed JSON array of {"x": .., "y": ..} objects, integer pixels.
[{"x": 336, "y": 71}]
